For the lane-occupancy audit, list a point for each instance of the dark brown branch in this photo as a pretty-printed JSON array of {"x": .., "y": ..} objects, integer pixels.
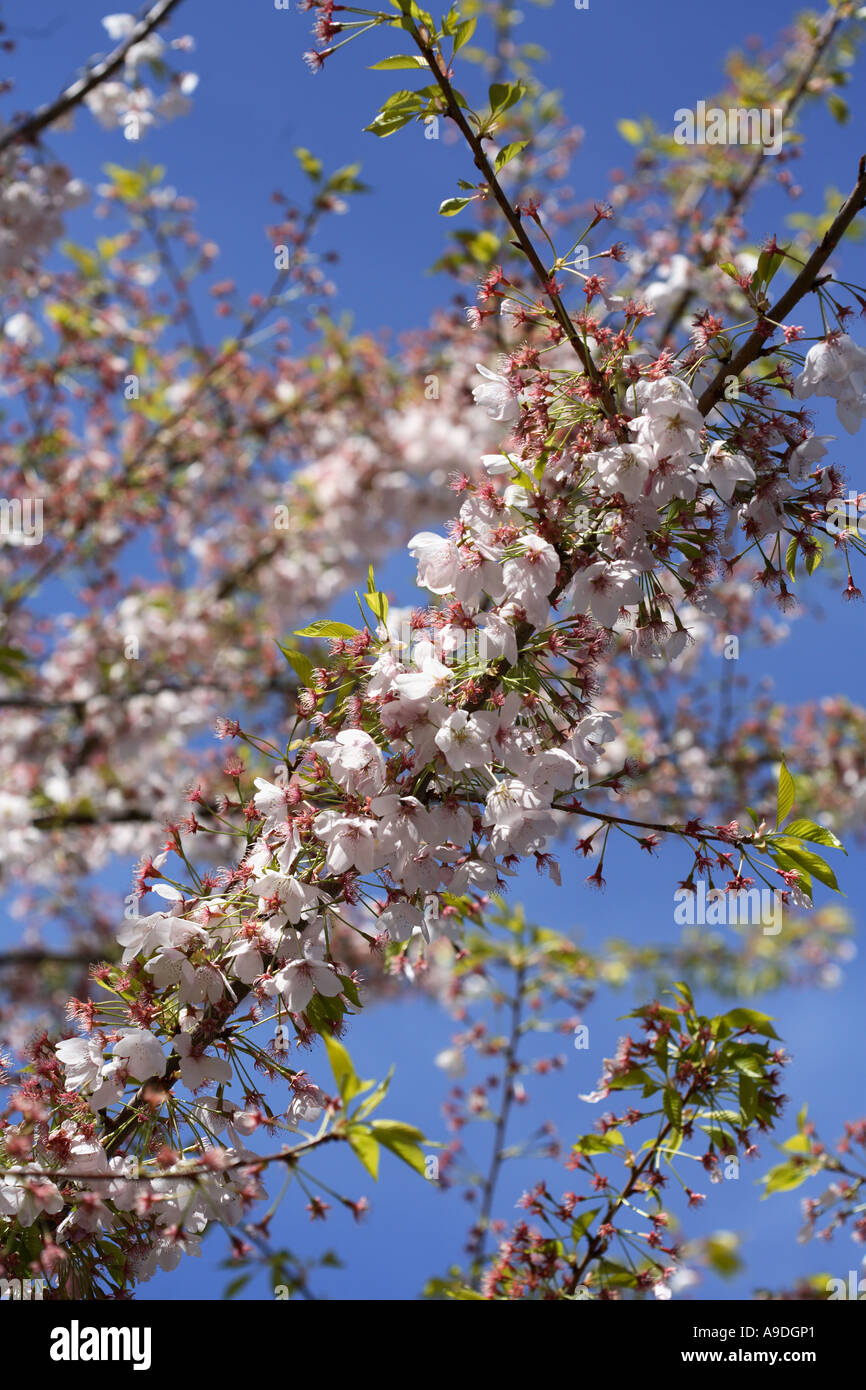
[
  {"x": 36, "y": 957},
  {"x": 514, "y": 220},
  {"x": 805, "y": 281},
  {"x": 739, "y": 191}
]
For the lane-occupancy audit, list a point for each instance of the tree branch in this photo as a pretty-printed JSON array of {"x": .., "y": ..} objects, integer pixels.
[
  {"x": 805, "y": 281},
  {"x": 28, "y": 130},
  {"x": 738, "y": 192},
  {"x": 514, "y": 220}
]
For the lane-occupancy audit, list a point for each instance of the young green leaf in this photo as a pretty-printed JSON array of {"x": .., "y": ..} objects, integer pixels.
[
  {"x": 810, "y": 861},
  {"x": 673, "y": 1104},
  {"x": 399, "y": 60},
  {"x": 451, "y": 206},
  {"x": 784, "y": 861},
  {"x": 341, "y": 1065},
  {"x": 583, "y": 1223},
  {"x": 509, "y": 152},
  {"x": 632, "y": 131},
  {"x": 401, "y": 1140},
  {"x": 302, "y": 665},
  {"x": 768, "y": 264},
  {"x": 375, "y": 1098},
  {"x": 791, "y": 559},
  {"x": 503, "y": 95},
  {"x": 309, "y": 163},
  {"x": 751, "y": 1018},
  {"x": 379, "y": 605},
  {"x": 325, "y": 627},
  {"x": 362, "y": 1143},
  {"x": 814, "y": 558},
  {"x": 785, "y": 795},
  {"x": 749, "y": 1064},
  {"x": 786, "y": 1176},
  {"x": 463, "y": 33},
  {"x": 819, "y": 834},
  {"x": 748, "y": 1098}
]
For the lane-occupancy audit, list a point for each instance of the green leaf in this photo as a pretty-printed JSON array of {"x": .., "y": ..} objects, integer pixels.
[
  {"x": 673, "y": 1104},
  {"x": 784, "y": 861},
  {"x": 309, "y": 163},
  {"x": 814, "y": 558},
  {"x": 350, "y": 989},
  {"x": 386, "y": 125},
  {"x": 420, "y": 16},
  {"x": 751, "y": 1018},
  {"x": 403, "y": 98},
  {"x": 378, "y": 603},
  {"x": 596, "y": 1143},
  {"x": 719, "y": 1138},
  {"x": 399, "y": 60},
  {"x": 323, "y": 1011},
  {"x": 129, "y": 184},
  {"x": 463, "y": 33},
  {"x": 396, "y": 1129},
  {"x": 791, "y": 559},
  {"x": 632, "y": 131},
  {"x": 785, "y": 1177},
  {"x": 768, "y": 264},
  {"x": 748, "y": 1097},
  {"x": 302, "y": 665},
  {"x": 325, "y": 627},
  {"x": 810, "y": 861},
  {"x": 509, "y": 152},
  {"x": 402, "y": 1141},
  {"x": 636, "y": 1076},
  {"x": 84, "y": 259},
  {"x": 503, "y": 95},
  {"x": 345, "y": 180},
  {"x": 11, "y": 661},
  {"x": 721, "y": 1254},
  {"x": 341, "y": 1065},
  {"x": 451, "y": 206},
  {"x": 750, "y": 1064},
  {"x": 839, "y": 108},
  {"x": 582, "y": 1224},
  {"x": 375, "y": 1098},
  {"x": 682, "y": 989},
  {"x": 785, "y": 795},
  {"x": 798, "y": 1144},
  {"x": 729, "y": 269},
  {"x": 819, "y": 834},
  {"x": 612, "y": 1273},
  {"x": 396, "y": 112},
  {"x": 362, "y": 1143}
]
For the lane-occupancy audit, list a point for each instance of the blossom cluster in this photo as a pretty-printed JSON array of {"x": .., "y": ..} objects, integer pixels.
[
  {"x": 429, "y": 751},
  {"x": 421, "y": 783},
  {"x": 128, "y": 103}
]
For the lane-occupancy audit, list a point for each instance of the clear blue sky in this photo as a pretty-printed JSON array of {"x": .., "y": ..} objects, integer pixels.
[{"x": 256, "y": 102}]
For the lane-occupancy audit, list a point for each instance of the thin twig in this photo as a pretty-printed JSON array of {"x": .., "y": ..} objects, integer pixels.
[
  {"x": 805, "y": 281},
  {"x": 514, "y": 220},
  {"x": 738, "y": 192}
]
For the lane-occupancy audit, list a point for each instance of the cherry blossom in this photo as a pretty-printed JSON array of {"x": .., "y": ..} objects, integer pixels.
[
  {"x": 495, "y": 394},
  {"x": 836, "y": 367}
]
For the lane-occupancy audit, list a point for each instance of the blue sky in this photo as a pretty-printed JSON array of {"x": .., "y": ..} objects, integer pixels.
[{"x": 255, "y": 103}]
